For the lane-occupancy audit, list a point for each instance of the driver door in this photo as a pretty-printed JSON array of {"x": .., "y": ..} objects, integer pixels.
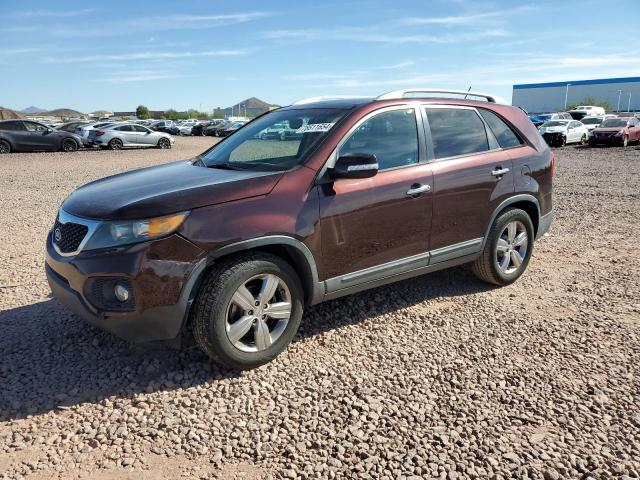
[
  {"x": 39, "y": 137},
  {"x": 367, "y": 223}
]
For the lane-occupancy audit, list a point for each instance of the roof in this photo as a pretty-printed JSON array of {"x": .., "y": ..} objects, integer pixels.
[
  {"x": 335, "y": 103},
  {"x": 573, "y": 83}
]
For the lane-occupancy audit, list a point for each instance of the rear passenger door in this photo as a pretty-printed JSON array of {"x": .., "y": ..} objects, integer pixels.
[
  {"x": 471, "y": 176},
  {"x": 16, "y": 134}
]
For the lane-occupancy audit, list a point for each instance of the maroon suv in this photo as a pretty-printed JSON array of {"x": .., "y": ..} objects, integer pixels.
[{"x": 230, "y": 246}]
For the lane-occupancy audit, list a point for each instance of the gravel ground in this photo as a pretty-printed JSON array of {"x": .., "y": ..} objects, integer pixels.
[{"x": 437, "y": 377}]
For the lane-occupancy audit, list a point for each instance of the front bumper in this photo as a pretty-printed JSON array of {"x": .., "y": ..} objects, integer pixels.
[
  {"x": 605, "y": 140},
  {"x": 162, "y": 274},
  {"x": 554, "y": 138}
]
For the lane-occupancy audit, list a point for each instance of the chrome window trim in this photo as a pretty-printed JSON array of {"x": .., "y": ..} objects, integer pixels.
[{"x": 64, "y": 217}]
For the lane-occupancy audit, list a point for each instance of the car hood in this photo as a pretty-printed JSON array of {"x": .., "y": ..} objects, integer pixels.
[
  {"x": 553, "y": 129},
  {"x": 164, "y": 189},
  {"x": 609, "y": 130}
]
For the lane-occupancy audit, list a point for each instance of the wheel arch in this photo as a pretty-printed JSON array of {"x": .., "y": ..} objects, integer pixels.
[
  {"x": 525, "y": 202},
  {"x": 8, "y": 140},
  {"x": 290, "y": 249}
]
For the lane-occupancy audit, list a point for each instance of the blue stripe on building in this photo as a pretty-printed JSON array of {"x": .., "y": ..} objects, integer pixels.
[{"x": 577, "y": 82}]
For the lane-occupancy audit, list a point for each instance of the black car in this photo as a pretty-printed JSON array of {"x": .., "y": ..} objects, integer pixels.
[
  {"x": 198, "y": 128},
  {"x": 215, "y": 127},
  {"x": 28, "y": 136},
  {"x": 166, "y": 127},
  {"x": 71, "y": 126}
]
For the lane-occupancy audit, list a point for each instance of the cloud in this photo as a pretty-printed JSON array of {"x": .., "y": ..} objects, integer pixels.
[
  {"x": 147, "y": 56},
  {"x": 370, "y": 35},
  {"x": 53, "y": 14},
  {"x": 131, "y": 76},
  {"x": 456, "y": 20}
]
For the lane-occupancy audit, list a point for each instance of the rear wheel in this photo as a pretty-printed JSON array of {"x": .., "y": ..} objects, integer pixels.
[
  {"x": 69, "y": 145},
  {"x": 507, "y": 249},
  {"x": 247, "y": 310},
  {"x": 5, "y": 147},
  {"x": 164, "y": 143},
  {"x": 115, "y": 144}
]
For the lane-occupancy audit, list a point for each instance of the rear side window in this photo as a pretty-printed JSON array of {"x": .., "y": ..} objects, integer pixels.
[
  {"x": 34, "y": 127},
  {"x": 13, "y": 126},
  {"x": 391, "y": 136},
  {"x": 124, "y": 128},
  {"x": 456, "y": 131},
  {"x": 506, "y": 137}
]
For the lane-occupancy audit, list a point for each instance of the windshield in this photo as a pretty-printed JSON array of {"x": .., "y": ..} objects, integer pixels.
[
  {"x": 252, "y": 148},
  {"x": 614, "y": 122},
  {"x": 591, "y": 121},
  {"x": 554, "y": 123}
]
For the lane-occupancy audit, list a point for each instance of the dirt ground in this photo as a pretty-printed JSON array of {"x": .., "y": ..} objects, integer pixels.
[{"x": 436, "y": 377}]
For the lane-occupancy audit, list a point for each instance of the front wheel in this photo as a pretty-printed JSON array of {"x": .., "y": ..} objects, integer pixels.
[
  {"x": 164, "y": 143},
  {"x": 5, "y": 147},
  {"x": 507, "y": 249},
  {"x": 583, "y": 140},
  {"x": 625, "y": 141},
  {"x": 247, "y": 310},
  {"x": 69, "y": 145}
]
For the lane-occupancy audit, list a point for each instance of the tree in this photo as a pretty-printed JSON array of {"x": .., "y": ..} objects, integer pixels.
[
  {"x": 171, "y": 114},
  {"x": 142, "y": 112},
  {"x": 217, "y": 113}
]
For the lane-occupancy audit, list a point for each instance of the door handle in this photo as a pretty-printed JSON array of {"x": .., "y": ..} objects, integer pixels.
[
  {"x": 417, "y": 189},
  {"x": 498, "y": 172}
]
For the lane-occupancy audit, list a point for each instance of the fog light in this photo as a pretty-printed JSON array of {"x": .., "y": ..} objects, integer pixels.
[{"x": 121, "y": 292}]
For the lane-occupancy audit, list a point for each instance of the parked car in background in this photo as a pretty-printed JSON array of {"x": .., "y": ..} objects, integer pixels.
[
  {"x": 118, "y": 136},
  {"x": 185, "y": 128},
  {"x": 214, "y": 129},
  {"x": 166, "y": 126},
  {"x": 71, "y": 126},
  {"x": 562, "y": 132},
  {"x": 592, "y": 122},
  {"x": 232, "y": 246},
  {"x": 198, "y": 128},
  {"x": 616, "y": 131},
  {"x": 545, "y": 117},
  {"x": 30, "y": 136},
  {"x": 83, "y": 130},
  {"x": 225, "y": 132},
  {"x": 582, "y": 111}
]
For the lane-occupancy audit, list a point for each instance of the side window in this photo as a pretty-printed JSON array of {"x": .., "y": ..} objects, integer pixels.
[
  {"x": 138, "y": 128},
  {"x": 456, "y": 131},
  {"x": 391, "y": 136},
  {"x": 34, "y": 127},
  {"x": 124, "y": 128},
  {"x": 506, "y": 137},
  {"x": 13, "y": 126}
]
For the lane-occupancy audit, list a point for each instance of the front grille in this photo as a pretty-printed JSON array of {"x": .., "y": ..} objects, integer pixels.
[{"x": 70, "y": 236}]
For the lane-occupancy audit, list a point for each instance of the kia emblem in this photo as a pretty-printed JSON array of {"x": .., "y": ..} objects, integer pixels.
[{"x": 57, "y": 234}]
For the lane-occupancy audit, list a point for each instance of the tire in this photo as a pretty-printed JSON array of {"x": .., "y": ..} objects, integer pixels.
[
  {"x": 488, "y": 266},
  {"x": 164, "y": 143},
  {"x": 69, "y": 145},
  {"x": 115, "y": 144},
  {"x": 563, "y": 141},
  {"x": 583, "y": 140},
  {"x": 5, "y": 147},
  {"x": 625, "y": 141},
  {"x": 215, "y": 311}
]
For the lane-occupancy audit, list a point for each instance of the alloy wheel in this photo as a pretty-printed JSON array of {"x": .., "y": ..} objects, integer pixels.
[
  {"x": 511, "y": 249},
  {"x": 115, "y": 144},
  {"x": 163, "y": 143},
  {"x": 4, "y": 147},
  {"x": 69, "y": 146},
  {"x": 258, "y": 313}
]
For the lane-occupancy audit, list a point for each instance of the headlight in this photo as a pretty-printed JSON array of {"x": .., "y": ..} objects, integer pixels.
[
  {"x": 619, "y": 134},
  {"x": 116, "y": 233}
]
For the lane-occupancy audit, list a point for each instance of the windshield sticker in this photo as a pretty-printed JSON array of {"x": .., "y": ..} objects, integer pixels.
[{"x": 315, "y": 127}]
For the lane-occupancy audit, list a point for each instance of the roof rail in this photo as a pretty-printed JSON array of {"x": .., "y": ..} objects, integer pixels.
[
  {"x": 402, "y": 93},
  {"x": 325, "y": 98}
]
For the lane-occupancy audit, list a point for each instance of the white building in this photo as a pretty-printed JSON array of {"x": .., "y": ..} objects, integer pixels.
[{"x": 621, "y": 93}]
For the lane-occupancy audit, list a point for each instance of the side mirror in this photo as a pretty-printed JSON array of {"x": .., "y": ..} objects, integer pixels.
[{"x": 354, "y": 165}]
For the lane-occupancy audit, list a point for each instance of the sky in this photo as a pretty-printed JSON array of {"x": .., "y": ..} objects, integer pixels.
[{"x": 115, "y": 55}]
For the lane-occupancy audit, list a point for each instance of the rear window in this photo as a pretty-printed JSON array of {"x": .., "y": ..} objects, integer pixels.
[
  {"x": 456, "y": 131},
  {"x": 504, "y": 134}
]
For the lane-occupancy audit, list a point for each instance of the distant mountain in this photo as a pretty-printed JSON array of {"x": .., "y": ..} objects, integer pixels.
[
  {"x": 33, "y": 109},
  {"x": 63, "y": 112},
  {"x": 252, "y": 106}
]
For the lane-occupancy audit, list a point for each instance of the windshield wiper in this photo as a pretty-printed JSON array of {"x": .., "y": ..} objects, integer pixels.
[{"x": 230, "y": 166}]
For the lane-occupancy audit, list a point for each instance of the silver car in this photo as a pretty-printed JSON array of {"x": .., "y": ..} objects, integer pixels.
[
  {"x": 83, "y": 130},
  {"x": 120, "y": 135}
]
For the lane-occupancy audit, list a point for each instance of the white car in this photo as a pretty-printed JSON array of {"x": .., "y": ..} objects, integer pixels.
[
  {"x": 563, "y": 132},
  {"x": 118, "y": 136},
  {"x": 592, "y": 122},
  {"x": 588, "y": 110},
  {"x": 83, "y": 131}
]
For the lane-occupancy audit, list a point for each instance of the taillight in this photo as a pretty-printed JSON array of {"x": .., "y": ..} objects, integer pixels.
[
  {"x": 553, "y": 164},
  {"x": 99, "y": 133}
]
